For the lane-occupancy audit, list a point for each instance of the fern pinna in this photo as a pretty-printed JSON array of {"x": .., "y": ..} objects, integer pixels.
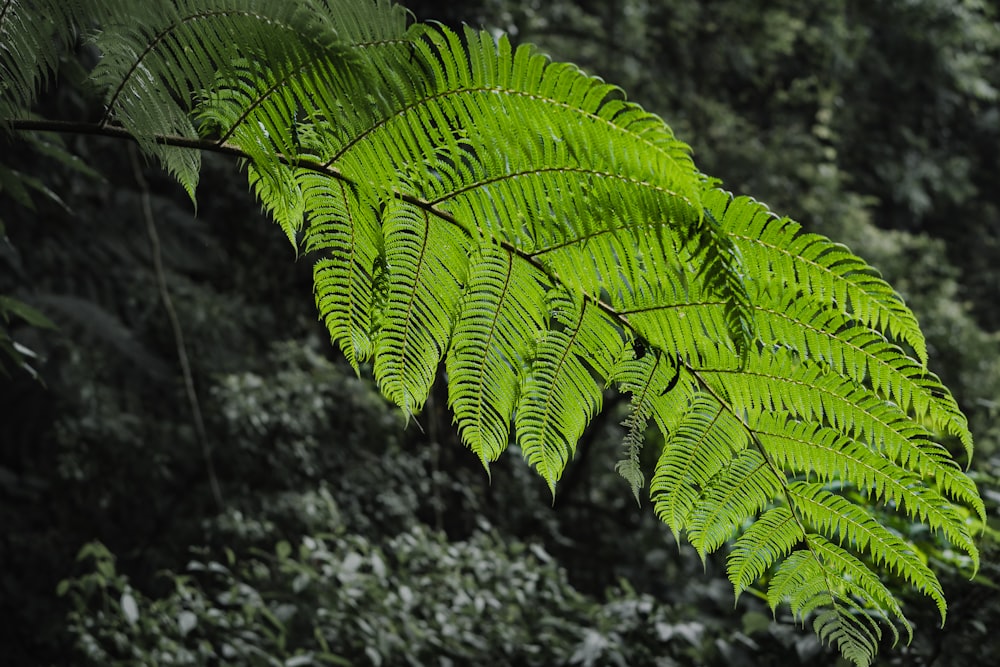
[{"x": 467, "y": 202}]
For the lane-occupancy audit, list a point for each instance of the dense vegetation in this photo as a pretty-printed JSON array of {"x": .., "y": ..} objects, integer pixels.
[{"x": 282, "y": 491}]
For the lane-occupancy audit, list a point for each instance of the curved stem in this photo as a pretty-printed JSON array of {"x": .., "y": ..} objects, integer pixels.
[{"x": 175, "y": 325}]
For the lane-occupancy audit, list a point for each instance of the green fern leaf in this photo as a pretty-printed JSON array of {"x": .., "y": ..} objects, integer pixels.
[
  {"x": 279, "y": 191},
  {"x": 701, "y": 445},
  {"x": 559, "y": 394},
  {"x": 853, "y": 525},
  {"x": 826, "y": 576},
  {"x": 809, "y": 262},
  {"x": 769, "y": 539},
  {"x": 468, "y": 200},
  {"x": 813, "y": 449},
  {"x": 736, "y": 494},
  {"x": 778, "y": 382},
  {"x": 833, "y": 338},
  {"x": 32, "y": 37},
  {"x": 426, "y": 267},
  {"x": 158, "y": 62},
  {"x": 646, "y": 376},
  {"x": 345, "y": 237},
  {"x": 807, "y": 585},
  {"x": 502, "y": 312}
]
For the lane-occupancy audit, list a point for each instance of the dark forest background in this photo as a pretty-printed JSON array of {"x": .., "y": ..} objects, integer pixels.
[{"x": 287, "y": 517}]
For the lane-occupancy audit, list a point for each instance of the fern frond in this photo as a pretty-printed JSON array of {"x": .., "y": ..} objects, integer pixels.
[
  {"x": 345, "y": 237},
  {"x": 426, "y": 266},
  {"x": 158, "y": 62},
  {"x": 559, "y": 393},
  {"x": 567, "y": 104},
  {"x": 777, "y": 381},
  {"x": 830, "y": 336},
  {"x": 736, "y": 494},
  {"x": 854, "y": 526},
  {"x": 528, "y": 174},
  {"x": 768, "y": 539},
  {"x": 297, "y": 108},
  {"x": 680, "y": 314},
  {"x": 32, "y": 37},
  {"x": 629, "y": 466},
  {"x": 724, "y": 274},
  {"x": 502, "y": 313},
  {"x": 647, "y": 376},
  {"x": 776, "y": 247},
  {"x": 279, "y": 191},
  {"x": 700, "y": 446},
  {"x": 468, "y": 200},
  {"x": 813, "y": 449},
  {"x": 809, "y": 583},
  {"x": 857, "y": 579}
]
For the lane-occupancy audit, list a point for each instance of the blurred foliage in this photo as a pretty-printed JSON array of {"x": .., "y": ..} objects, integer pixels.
[
  {"x": 874, "y": 123},
  {"x": 417, "y": 599},
  {"x": 338, "y": 572},
  {"x": 414, "y": 600}
]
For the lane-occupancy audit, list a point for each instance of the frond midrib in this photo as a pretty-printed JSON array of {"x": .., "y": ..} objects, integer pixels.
[
  {"x": 839, "y": 278},
  {"x": 914, "y": 506},
  {"x": 162, "y": 35},
  {"x": 562, "y": 169},
  {"x": 406, "y": 109},
  {"x": 291, "y": 74},
  {"x": 233, "y": 150},
  {"x": 481, "y": 375},
  {"x": 812, "y": 387},
  {"x": 776, "y": 471}
]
